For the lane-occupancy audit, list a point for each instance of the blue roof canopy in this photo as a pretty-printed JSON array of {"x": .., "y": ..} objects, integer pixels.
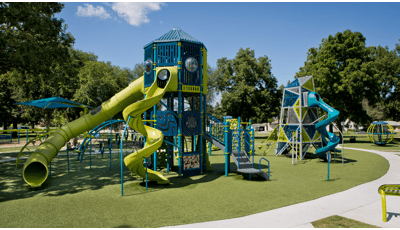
[
  {"x": 53, "y": 102},
  {"x": 379, "y": 123},
  {"x": 176, "y": 34}
]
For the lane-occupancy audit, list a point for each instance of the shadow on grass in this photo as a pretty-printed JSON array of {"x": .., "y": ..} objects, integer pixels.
[
  {"x": 81, "y": 178},
  {"x": 124, "y": 226},
  {"x": 12, "y": 185}
]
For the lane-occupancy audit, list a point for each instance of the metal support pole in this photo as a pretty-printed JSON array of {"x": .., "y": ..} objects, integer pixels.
[
  {"x": 122, "y": 172},
  {"x": 226, "y": 147},
  {"x": 296, "y": 143},
  {"x": 110, "y": 144},
  {"x": 301, "y": 125},
  {"x": 145, "y": 164},
  {"x": 67, "y": 157},
  {"x": 180, "y": 99},
  {"x": 292, "y": 147},
  {"x": 154, "y": 125},
  {"x": 90, "y": 155},
  {"x": 209, "y": 143},
  {"x": 328, "y": 159}
]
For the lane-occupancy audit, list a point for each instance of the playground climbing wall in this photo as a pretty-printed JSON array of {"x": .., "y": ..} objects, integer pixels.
[{"x": 297, "y": 121}]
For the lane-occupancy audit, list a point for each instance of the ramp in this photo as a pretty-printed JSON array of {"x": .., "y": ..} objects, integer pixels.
[
  {"x": 245, "y": 165},
  {"x": 245, "y": 162},
  {"x": 214, "y": 141}
]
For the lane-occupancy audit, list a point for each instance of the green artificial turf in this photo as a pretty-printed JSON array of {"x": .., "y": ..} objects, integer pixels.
[
  {"x": 340, "y": 222},
  {"x": 363, "y": 142},
  {"x": 92, "y": 198}
]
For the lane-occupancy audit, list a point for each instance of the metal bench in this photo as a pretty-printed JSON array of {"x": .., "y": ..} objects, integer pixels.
[{"x": 390, "y": 190}]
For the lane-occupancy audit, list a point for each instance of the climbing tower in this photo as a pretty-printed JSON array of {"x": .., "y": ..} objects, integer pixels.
[
  {"x": 180, "y": 116},
  {"x": 297, "y": 121}
]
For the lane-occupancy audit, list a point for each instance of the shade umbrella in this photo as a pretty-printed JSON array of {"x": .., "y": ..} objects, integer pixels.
[{"x": 54, "y": 102}]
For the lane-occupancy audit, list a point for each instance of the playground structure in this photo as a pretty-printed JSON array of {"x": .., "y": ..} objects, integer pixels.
[
  {"x": 380, "y": 133},
  {"x": 235, "y": 142},
  {"x": 176, "y": 77},
  {"x": 300, "y": 125}
]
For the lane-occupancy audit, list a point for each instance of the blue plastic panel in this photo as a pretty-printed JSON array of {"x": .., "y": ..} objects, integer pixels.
[
  {"x": 191, "y": 123},
  {"x": 191, "y": 50},
  {"x": 167, "y": 54},
  {"x": 167, "y": 123},
  {"x": 148, "y": 78},
  {"x": 293, "y": 83},
  {"x": 289, "y": 98},
  {"x": 289, "y": 129},
  {"x": 310, "y": 129}
]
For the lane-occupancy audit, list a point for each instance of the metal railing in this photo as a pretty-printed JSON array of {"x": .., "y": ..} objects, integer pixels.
[
  {"x": 259, "y": 163},
  {"x": 215, "y": 128}
]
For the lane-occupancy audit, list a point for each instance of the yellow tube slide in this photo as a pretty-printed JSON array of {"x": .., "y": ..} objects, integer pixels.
[
  {"x": 35, "y": 170},
  {"x": 154, "y": 137}
]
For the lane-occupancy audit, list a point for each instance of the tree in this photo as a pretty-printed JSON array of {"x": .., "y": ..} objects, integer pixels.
[
  {"x": 7, "y": 101},
  {"x": 344, "y": 75},
  {"x": 33, "y": 47},
  {"x": 376, "y": 113},
  {"x": 249, "y": 88},
  {"x": 217, "y": 111},
  {"x": 31, "y": 39},
  {"x": 99, "y": 81},
  {"x": 212, "y": 87},
  {"x": 387, "y": 68},
  {"x": 138, "y": 70}
]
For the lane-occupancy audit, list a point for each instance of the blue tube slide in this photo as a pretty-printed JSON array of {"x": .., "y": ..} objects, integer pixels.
[{"x": 314, "y": 100}]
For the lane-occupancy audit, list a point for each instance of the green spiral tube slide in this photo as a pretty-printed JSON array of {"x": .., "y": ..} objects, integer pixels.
[
  {"x": 154, "y": 137},
  {"x": 130, "y": 100},
  {"x": 35, "y": 170}
]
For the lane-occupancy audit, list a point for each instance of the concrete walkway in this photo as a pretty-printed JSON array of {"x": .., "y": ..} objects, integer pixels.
[{"x": 362, "y": 203}]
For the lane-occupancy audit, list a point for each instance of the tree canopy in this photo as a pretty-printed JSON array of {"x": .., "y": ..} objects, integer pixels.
[
  {"x": 344, "y": 74},
  {"x": 31, "y": 39},
  {"x": 387, "y": 69},
  {"x": 249, "y": 88}
]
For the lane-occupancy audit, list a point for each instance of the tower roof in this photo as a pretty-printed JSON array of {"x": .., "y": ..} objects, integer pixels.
[{"x": 174, "y": 35}]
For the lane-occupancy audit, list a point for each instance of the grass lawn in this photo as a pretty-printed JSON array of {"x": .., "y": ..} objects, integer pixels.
[
  {"x": 340, "y": 222},
  {"x": 363, "y": 142},
  {"x": 92, "y": 198}
]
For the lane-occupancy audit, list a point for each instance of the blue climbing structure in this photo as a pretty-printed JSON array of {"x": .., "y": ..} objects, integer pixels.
[{"x": 300, "y": 125}]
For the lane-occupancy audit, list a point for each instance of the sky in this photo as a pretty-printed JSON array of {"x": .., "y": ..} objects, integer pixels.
[{"x": 283, "y": 31}]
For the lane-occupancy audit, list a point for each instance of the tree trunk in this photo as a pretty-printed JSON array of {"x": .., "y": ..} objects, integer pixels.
[{"x": 15, "y": 126}]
